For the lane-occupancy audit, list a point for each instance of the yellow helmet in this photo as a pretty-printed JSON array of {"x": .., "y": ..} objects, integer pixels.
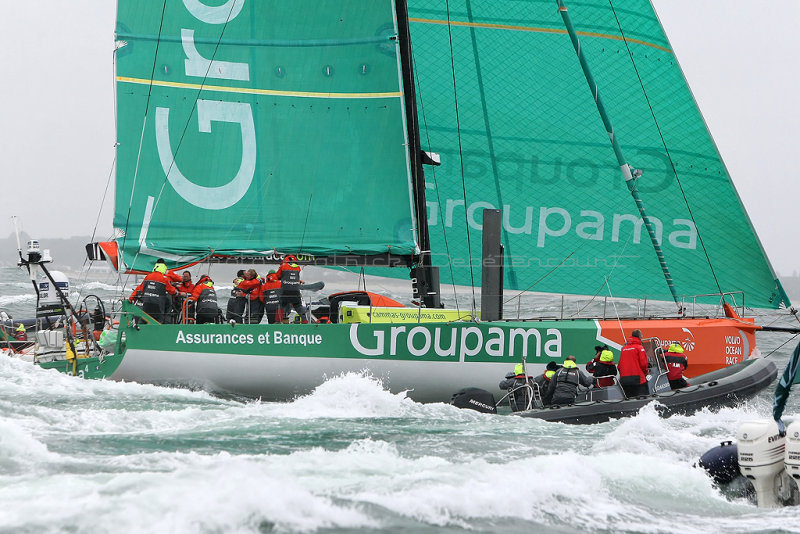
[
  {"x": 549, "y": 374},
  {"x": 676, "y": 348},
  {"x": 569, "y": 364},
  {"x": 21, "y": 327},
  {"x": 518, "y": 369},
  {"x": 606, "y": 356},
  {"x": 160, "y": 267}
]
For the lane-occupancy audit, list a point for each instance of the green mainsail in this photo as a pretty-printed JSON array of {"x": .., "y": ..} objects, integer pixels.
[
  {"x": 502, "y": 98},
  {"x": 248, "y": 127}
]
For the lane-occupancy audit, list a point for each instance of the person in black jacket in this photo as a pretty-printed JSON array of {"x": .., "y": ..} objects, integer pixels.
[
  {"x": 518, "y": 394},
  {"x": 563, "y": 386},
  {"x": 543, "y": 380}
]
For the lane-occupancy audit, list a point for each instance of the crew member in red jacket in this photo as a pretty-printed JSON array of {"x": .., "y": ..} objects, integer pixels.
[
  {"x": 153, "y": 293},
  {"x": 602, "y": 367},
  {"x": 677, "y": 362},
  {"x": 251, "y": 287},
  {"x": 271, "y": 295},
  {"x": 289, "y": 275},
  {"x": 633, "y": 366},
  {"x": 205, "y": 298}
]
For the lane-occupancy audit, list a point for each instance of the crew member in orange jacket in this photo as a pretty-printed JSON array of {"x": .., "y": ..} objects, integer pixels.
[
  {"x": 205, "y": 298},
  {"x": 271, "y": 295},
  {"x": 153, "y": 293},
  {"x": 251, "y": 287},
  {"x": 633, "y": 366},
  {"x": 289, "y": 275}
]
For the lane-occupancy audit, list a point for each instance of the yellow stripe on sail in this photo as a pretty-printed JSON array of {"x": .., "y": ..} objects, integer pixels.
[
  {"x": 254, "y": 91},
  {"x": 537, "y": 30}
]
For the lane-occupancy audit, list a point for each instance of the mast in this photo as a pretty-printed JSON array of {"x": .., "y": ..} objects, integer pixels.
[
  {"x": 629, "y": 173},
  {"x": 426, "y": 276}
]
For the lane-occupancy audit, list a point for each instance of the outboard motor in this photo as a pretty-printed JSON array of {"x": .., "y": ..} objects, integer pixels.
[
  {"x": 791, "y": 460},
  {"x": 474, "y": 399},
  {"x": 721, "y": 463},
  {"x": 761, "y": 452}
]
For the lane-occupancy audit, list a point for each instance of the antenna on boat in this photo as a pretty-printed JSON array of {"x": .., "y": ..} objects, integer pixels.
[{"x": 628, "y": 172}]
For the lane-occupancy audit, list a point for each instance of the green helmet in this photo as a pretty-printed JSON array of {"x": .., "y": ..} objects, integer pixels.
[
  {"x": 519, "y": 369},
  {"x": 676, "y": 348},
  {"x": 606, "y": 356},
  {"x": 569, "y": 364},
  {"x": 160, "y": 267}
]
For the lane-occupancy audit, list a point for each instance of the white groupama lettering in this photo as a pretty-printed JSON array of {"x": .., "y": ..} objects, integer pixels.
[
  {"x": 464, "y": 341},
  {"x": 208, "y": 111},
  {"x": 555, "y": 222}
]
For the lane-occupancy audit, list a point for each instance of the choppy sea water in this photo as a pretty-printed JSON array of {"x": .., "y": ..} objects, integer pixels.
[{"x": 98, "y": 456}]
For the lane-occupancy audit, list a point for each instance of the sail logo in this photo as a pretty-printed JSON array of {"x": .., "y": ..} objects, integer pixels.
[
  {"x": 555, "y": 222},
  {"x": 208, "y": 112},
  {"x": 462, "y": 341}
]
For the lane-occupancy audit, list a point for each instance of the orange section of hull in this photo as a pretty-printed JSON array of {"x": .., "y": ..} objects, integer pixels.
[{"x": 710, "y": 344}]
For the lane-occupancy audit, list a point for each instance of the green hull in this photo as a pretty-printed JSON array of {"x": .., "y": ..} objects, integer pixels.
[{"x": 431, "y": 361}]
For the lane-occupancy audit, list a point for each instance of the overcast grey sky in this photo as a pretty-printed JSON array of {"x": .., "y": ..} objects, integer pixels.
[{"x": 57, "y": 110}]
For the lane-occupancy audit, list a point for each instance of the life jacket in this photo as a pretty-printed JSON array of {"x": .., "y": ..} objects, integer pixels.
[
  {"x": 290, "y": 277},
  {"x": 601, "y": 369},
  {"x": 206, "y": 299},
  {"x": 271, "y": 292},
  {"x": 236, "y": 282}
]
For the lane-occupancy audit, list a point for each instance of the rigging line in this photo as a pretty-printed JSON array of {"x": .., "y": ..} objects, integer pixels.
[
  {"x": 616, "y": 311},
  {"x": 305, "y": 224},
  {"x": 664, "y": 144},
  {"x": 781, "y": 345},
  {"x": 461, "y": 158},
  {"x": 436, "y": 184},
  {"x": 144, "y": 122},
  {"x": 192, "y": 112},
  {"x": 611, "y": 272}
]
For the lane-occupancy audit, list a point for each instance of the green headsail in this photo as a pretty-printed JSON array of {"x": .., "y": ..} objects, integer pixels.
[
  {"x": 502, "y": 98},
  {"x": 252, "y": 126}
]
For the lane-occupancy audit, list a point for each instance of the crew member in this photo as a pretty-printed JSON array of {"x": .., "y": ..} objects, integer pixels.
[
  {"x": 206, "y": 301},
  {"x": 271, "y": 294},
  {"x": 602, "y": 366},
  {"x": 153, "y": 293},
  {"x": 633, "y": 366},
  {"x": 563, "y": 386},
  {"x": 251, "y": 287},
  {"x": 186, "y": 285},
  {"x": 289, "y": 275},
  {"x": 185, "y": 288},
  {"x": 677, "y": 362},
  {"x": 518, "y": 393},
  {"x": 238, "y": 301},
  {"x": 543, "y": 380},
  {"x": 20, "y": 334}
]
